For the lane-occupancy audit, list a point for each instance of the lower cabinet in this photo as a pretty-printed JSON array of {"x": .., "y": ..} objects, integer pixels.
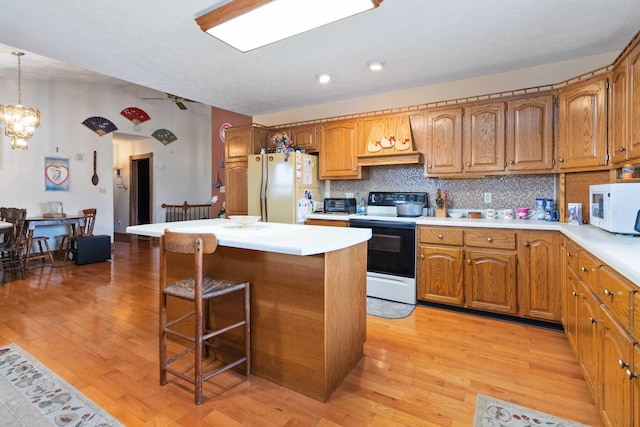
[
  {"x": 327, "y": 222},
  {"x": 480, "y": 268},
  {"x": 598, "y": 317}
]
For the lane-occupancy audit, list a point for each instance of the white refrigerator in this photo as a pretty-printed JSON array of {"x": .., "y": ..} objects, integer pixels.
[{"x": 276, "y": 186}]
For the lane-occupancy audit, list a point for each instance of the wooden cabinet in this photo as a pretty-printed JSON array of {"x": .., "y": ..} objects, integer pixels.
[
  {"x": 538, "y": 274},
  {"x": 239, "y": 143},
  {"x": 444, "y": 141},
  {"x": 440, "y": 265},
  {"x": 483, "y": 137},
  {"x": 326, "y": 222},
  {"x": 582, "y": 125},
  {"x": 530, "y": 131},
  {"x": 338, "y": 150},
  {"x": 474, "y": 268},
  {"x": 607, "y": 349},
  {"x": 306, "y": 137},
  {"x": 617, "y": 363},
  {"x": 624, "y": 105},
  {"x": 570, "y": 292}
]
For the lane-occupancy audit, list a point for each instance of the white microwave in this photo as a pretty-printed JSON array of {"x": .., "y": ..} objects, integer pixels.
[{"x": 614, "y": 207}]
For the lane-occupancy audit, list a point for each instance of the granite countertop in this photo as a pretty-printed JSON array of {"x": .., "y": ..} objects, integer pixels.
[
  {"x": 622, "y": 253},
  {"x": 292, "y": 239}
]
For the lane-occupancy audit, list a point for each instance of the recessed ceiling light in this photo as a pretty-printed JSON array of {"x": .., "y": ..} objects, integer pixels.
[
  {"x": 375, "y": 64},
  {"x": 324, "y": 78}
]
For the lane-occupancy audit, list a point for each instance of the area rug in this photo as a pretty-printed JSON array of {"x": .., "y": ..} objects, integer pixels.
[
  {"x": 388, "y": 309},
  {"x": 492, "y": 412},
  {"x": 31, "y": 395}
]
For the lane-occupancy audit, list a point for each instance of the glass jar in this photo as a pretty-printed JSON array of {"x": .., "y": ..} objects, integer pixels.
[{"x": 627, "y": 171}]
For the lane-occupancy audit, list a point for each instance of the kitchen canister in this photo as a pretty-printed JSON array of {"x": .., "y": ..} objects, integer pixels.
[
  {"x": 540, "y": 208},
  {"x": 507, "y": 214}
]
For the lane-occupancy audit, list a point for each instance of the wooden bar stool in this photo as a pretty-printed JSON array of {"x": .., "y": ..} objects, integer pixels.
[{"x": 199, "y": 289}]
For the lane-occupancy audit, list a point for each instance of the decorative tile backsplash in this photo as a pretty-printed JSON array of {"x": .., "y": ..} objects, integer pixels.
[{"x": 508, "y": 191}]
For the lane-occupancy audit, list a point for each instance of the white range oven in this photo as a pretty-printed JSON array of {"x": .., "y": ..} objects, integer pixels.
[{"x": 391, "y": 251}]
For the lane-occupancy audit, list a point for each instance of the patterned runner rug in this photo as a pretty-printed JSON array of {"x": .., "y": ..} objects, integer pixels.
[
  {"x": 492, "y": 412},
  {"x": 388, "y": 309},
  {"x": 31, "y": 395}
]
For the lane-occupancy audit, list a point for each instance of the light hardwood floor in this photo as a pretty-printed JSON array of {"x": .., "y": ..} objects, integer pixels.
[{"x": 96, "y": 327}]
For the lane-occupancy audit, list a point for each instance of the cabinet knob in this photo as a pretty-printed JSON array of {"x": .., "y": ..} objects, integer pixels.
[
  {"x": 622, "y": 149},
  {"x": 569, "y": 254},
  {"x": 630, "y": 374},
  {"x": 527, "y": 244},
  {"x": 574, "y": 293},
  {"x": 622, "y": 364},
  {"x": 511, "y": 162},
  {"x": 421, "y": 256},
  {"x": 429, "y": 166},
  {"x": 489, "y": 239},
  {"x": 468, "y": 164},
  {"x": 592, "y": 320},
  {"x": 468, "y": 261},
  {"x": 608, "y": 293},
  {"x": 561, "y": 160},
  {"x": 584, "y": 269},
  {"x": 440, "y": 236}
]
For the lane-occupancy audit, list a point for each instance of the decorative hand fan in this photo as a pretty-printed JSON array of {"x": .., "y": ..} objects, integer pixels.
[
  {"x": 164, "y": 135},
  {"x": 100, "y": 125},
  {"x": 136, "y": 115}
]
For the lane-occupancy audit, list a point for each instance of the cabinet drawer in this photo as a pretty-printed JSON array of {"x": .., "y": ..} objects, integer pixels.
[
  {"x": 572, "y": 255},
  {"x": 491, "y": 238},
  {"x": 442, "y": 236},
  {"x": 617, "y": 294},
  {"x": 588, "y": 268}
]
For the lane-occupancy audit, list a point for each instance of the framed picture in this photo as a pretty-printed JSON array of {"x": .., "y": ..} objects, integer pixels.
[
  {"x": 56, "y": 174},
  {"x": 574, "y": 213}
]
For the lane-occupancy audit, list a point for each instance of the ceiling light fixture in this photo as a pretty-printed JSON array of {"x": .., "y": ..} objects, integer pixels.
[
  {"x": 249, "y": 24},
  {"x": 375, "y": 64},
  {"x": 324, "y": 78},
  {"x": 19, "y": 121}
]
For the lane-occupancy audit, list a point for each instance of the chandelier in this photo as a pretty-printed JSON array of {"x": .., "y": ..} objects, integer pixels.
[{"x": 19, "y": 121}]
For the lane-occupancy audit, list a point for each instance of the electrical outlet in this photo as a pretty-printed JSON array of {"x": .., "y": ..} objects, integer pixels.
[
  {"x": 223, "y": 189},
  {"x": 487, "y": 198}
]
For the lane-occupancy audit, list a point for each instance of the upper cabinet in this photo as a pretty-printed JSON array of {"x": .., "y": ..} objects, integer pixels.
[
  {"x": 444, "y": 141},
  {"x": 338, "y": 150},
  {"x": 241, "y": 141},
  {"x": 530, "y": 134},
  {"x": 624, "y": 109},
  {"x": 582, "y": 125},
  {"x": 388, "y": 140},
  {"x": 483, "y": 137},
  {"x": 306, "y": 137}
]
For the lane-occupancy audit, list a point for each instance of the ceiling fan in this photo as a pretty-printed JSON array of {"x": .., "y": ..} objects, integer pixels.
[{"x": 178, "y": 100}]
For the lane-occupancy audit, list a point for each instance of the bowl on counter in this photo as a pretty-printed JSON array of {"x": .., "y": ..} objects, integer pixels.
[
  {"x": 244, "y": 221},
  {"x": 456, "y": 214},
  {"x": 409, "y": 209}
]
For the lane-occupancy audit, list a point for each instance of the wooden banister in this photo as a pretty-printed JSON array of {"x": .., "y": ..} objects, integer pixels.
[{"x": 185, "y": 212}]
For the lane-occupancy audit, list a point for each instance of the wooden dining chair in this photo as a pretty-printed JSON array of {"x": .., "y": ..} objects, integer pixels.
[
  {"x": 84, "y": 230},
  {"x": 13, "y": 250},
  {"x": 198, "y": 288}
]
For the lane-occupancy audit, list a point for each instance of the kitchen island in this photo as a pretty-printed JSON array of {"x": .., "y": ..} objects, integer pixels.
[{"x": 308, "y": 296}]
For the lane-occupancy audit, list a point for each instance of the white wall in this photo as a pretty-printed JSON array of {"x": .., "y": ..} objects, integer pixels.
[
  {"x": 186, "y": 171},
  {"x": 528, "y": 77}
]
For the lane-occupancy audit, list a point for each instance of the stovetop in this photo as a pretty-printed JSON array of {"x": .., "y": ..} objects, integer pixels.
[{"x": 381, "y": 205}]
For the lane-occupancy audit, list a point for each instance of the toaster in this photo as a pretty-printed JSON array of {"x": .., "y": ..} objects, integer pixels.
[{"x": 340, "y": 205}]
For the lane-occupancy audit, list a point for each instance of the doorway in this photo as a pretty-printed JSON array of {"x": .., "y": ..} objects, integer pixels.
[{"x": 141, "y": 203}]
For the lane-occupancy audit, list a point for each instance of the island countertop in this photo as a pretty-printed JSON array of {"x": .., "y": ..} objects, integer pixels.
[{"x": 292, "y": 239}]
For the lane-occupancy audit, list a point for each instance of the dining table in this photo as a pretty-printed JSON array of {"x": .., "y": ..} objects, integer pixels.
[{"x": 73, "y": 221}]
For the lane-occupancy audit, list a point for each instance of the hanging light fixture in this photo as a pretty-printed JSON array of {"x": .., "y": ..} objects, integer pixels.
[
  {"x": 19, "y": 121},
  {"x": 249, "y": 24}
]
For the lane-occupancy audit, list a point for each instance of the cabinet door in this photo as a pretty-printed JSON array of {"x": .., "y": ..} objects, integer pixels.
[
  {"x": 338, "y": 151},
  {"x": 530, "y": 134},
  {"x": 305, "y": 136},
  {"x": 483, "y": 139},
  {"x": 237, "y": 144},
  {"x": 589, "y": 340},
  {"x": 618, "y": 119},
  {"x": 490, "y": 280},
  {"x": 444, "y": 141},
  {"x": 236, "y": 183},
  {"x": 633, "y": 65},
  {"x": 636, "y": 385},
  {"x": 570, "y": 305},
  {"x": 538, "y": 275},
  {"x": 440, "y": 274},
  {"x": 582, "y": 132},
  {"x": 617, "y": 358}
]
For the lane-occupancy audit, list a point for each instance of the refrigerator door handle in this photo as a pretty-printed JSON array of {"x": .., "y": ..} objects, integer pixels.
[
  {"x": 266, "y": 188},
  {"x": 263, "y": 188}
]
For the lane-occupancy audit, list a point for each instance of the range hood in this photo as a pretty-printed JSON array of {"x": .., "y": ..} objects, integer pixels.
[
  {"x": 388, "y": 141},
  {"x": 396, "y": 158}
]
